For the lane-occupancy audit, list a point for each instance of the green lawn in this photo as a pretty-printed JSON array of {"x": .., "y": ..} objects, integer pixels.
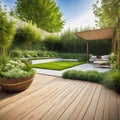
[{"x": 58, "y": 65}]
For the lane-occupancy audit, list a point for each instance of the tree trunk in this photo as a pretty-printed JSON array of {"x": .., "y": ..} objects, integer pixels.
[
  {"x": 118, "y": 42},
  {"x": 29, "y": 45}
]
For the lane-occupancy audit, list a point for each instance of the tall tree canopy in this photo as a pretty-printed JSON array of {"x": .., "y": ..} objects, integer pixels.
[
  {"x": 45, "y": 13},
  {"x": 108, "y": 14}
]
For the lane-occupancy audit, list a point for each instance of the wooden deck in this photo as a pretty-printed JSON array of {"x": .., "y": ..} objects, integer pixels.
[{"x": 54, "y": 98}]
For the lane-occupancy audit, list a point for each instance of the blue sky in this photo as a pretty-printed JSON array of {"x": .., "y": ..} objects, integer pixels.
[{"x": 77, "y": 13}]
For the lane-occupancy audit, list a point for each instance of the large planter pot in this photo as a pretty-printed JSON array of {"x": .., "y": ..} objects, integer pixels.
[{"x": 16, "y": 85}]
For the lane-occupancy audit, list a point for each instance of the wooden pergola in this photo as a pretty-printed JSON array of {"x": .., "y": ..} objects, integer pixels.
[{"x": 98, "y": 34}]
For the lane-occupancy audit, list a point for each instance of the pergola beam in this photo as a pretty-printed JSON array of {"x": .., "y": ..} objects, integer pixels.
[{"x": 98, "y": 34}]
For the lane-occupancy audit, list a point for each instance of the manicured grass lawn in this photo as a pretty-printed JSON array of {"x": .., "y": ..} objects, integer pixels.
[{"x": 57, "y": 65}]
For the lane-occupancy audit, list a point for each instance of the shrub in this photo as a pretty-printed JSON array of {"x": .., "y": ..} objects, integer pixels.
[
  {"x": 15, "y": 53},
  {"x": 47, "y": 54},
  {"x": 112, "y": 80},
  {"x": 30, "y": 53},
  {"x": 81, "y": 57},
  {"x": 92, "y": 76}
]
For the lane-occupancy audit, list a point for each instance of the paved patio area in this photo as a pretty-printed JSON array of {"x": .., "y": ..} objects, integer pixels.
[{"x": 83, "y": 67}]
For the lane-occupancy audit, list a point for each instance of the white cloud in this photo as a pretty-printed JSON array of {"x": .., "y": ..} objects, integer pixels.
[{"x": 86, "y": 19}]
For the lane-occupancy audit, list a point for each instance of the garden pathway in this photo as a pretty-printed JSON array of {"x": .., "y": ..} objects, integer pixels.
[{"x": 82, "y": 67}]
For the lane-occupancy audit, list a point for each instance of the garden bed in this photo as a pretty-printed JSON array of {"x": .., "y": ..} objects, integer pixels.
[{"x": 57, "y": 65}]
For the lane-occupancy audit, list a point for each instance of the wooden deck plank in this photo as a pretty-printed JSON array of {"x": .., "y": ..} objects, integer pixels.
[
  {"x": 113, "y": 106},
  {"x": 53, "y": 98},
  {"x": 87, "y": 104},
  {"x": 39, "y": 99},
  {"x": 38, "y": 109},
  {"x": 74, "y": 104},
  {"x": 62, "y": 105},
  {"x": 31, "y": 90},
  {"x": 90, "y": 113},
  {"x": 118, "y": 105},
  {"x": 30, "y": 96},
  {"x": 100, "y": 106},
  {"x": 83, "y": 103}
]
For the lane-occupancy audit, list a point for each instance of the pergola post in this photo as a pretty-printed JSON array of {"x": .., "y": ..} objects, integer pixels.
[{"x": 87, "y": 52}]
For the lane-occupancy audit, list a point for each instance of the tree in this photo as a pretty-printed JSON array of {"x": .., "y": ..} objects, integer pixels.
[
  {"x": 108, "y": 14},
  {"x": 51, "y": 41},
  {"x": 29, "y": 33},
  {"x": 7, "y": 30},
  {"x": 44, "y": 13},
  {"x": 72, "y": 43}
]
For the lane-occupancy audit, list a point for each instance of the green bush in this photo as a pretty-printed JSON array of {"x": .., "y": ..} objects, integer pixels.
[
  {"x": 15, "y": 53},
  {"x": 81, "y": 57},
  {"x": 29, "y": 53},
  {"x": 47, "y": 54},
  {"x": 92, "y": 76},
  {"x": 112, "y": 80}
]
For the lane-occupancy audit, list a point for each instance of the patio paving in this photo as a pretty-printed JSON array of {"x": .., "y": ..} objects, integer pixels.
[{"x": 83, "y": 67}]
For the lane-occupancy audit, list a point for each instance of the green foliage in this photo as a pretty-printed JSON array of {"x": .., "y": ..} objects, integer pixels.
[
  {"x": 17, "y": 73},
  {"x": 15, "y": 53},
  {"x": 3, "y": 61},
  {"x": 7, "y": 30},
  {"x": 92, "y": 76},
  {"x": 95, "y": 47},
  {"x": 58, "y": 65},
  {"x": 29, "y": 33},
  {"x": 29, "y": 53},
  {"x": 16, "y": 69},
  {"x": 44, "y": 13},
  {"x": 51, "y": 41},
  {"x": 113, "y": 60},
  {"x": 72, "y": 43},
  {"x": 80, "y": 57},
  {"x": 112, "y": 80},
  {"x": 107, "y": 10}
]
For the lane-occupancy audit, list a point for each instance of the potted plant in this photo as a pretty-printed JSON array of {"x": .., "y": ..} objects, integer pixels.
[{"x": 16, "y": 75}]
